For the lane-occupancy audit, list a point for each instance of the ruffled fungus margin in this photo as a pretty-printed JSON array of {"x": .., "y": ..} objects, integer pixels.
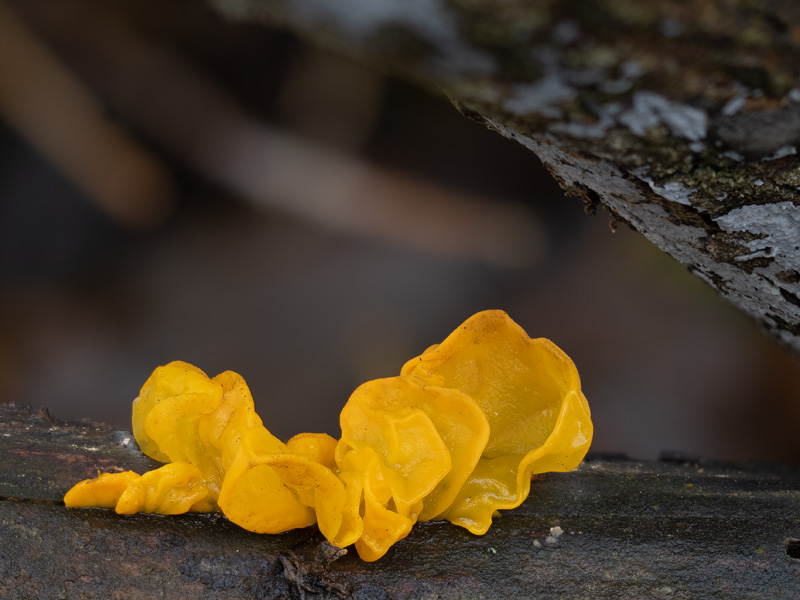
[{"x": 456, "y": 436}]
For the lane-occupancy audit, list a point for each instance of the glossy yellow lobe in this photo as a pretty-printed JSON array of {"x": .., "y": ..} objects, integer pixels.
[{"x": 530, "y": 392}]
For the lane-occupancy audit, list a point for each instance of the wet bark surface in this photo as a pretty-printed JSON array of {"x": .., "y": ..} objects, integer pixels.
[
  {"x": 682, "y": 119},
  {"x": 674, "y": 528}
]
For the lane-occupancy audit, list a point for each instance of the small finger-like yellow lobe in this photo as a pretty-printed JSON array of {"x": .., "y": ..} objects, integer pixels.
[
  {"x": 172, "y": 489},
  {"x": 529, "y": 391},
  {"x": 101, "y": 492}
]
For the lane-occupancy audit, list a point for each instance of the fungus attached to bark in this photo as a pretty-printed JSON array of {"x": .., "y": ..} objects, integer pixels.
[
  {"x": 457, "y": 436},
  {"x": 530, "y": 392}
]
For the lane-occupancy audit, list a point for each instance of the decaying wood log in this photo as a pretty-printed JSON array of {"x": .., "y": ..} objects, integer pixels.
[
  {"x": 682, "y": 118},
  {"x": 675, "y": 528}
]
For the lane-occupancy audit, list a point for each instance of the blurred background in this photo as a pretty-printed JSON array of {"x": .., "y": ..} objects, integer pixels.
[{"x": 174, "y": 186}]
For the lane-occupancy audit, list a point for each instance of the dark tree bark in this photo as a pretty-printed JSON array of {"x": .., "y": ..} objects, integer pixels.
[
  {"x": 673, "y": 529},
  {"x": 681, "y": 118}
]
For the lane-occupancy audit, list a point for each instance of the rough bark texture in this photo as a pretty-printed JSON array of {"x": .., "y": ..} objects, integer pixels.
[
  {"x": 682, "y": 118},
  {"x": 670, "y": 529}
]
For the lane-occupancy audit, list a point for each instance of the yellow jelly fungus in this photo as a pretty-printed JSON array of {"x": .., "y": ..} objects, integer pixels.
[
  {"x": 423, "y": 442},
  {"x": 172, "y": 489},
  {"x": 268, "y": 489},
  {"x": 163, "y": 391},
  {"x": 457, "y": 436},
  {"x": 530, "y": 392},
  {"x": 220, "y": 457},
  {"x": 103, "y": 491}
]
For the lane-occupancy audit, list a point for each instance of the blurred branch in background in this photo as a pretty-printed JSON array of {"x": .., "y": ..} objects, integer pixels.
[
  {"x": 330, "y": 99},
  {"x": 175, "y": 105},
  {"x": 49, "y": 107}
]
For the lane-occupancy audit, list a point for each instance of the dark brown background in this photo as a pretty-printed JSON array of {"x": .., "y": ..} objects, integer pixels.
[{"x": 306, "y": 310}]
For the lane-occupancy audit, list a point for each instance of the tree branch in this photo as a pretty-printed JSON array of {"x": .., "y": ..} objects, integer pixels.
[{"x": 682, "y": 119}]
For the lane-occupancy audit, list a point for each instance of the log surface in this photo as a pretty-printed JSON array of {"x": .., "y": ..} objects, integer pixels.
[{"x": 673, "y": 528}]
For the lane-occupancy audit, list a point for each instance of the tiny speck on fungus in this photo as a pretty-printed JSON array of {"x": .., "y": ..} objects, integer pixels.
[{"x": 457, "y": 435}]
